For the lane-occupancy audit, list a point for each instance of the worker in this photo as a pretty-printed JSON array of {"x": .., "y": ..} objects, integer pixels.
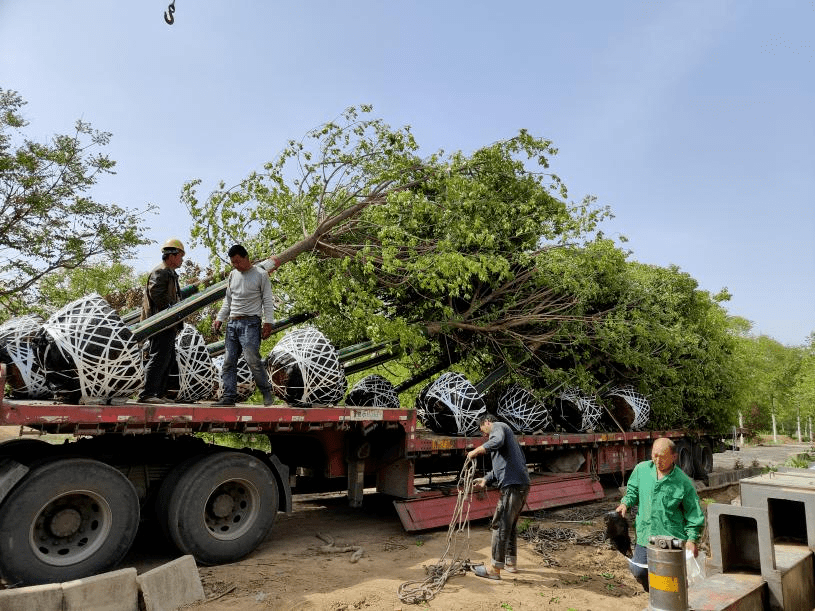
[
  {"x": 161, "y": 292},
  {"x": 509, "y": 471},
  {"x": 668, "y": 505},
  {"x": 248, "y": 298}
]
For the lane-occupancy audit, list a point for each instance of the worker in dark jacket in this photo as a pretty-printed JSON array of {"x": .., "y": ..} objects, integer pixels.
[
  {"x": 509, "y": 472},
  {"x": 161, "y": 292}
]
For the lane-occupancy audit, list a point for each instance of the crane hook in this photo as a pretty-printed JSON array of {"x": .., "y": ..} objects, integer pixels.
[{"x": 168, "y": 14}]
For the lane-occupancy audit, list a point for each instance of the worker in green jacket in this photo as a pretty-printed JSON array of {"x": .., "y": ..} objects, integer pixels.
[{"x": 668, "y": 505}]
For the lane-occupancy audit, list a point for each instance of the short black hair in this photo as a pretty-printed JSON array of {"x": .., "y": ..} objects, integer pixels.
[
  {"x": 487, "y": 417},
  {"x": 239, "y": 250}
]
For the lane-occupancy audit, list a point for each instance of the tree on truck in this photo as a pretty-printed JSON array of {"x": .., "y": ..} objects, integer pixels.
[{"x": 467, "y": 262}]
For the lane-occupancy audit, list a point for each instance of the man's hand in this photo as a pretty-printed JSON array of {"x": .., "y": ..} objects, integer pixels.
[
  {"x": 476, "y": 452},
  {"x": 479, "y": 484},
  {"x": 694, "y": 549},
  {"x": 266, "y": 331},
  {"x": 621, "y": 509},
  {"x": 216, "y": 326}
]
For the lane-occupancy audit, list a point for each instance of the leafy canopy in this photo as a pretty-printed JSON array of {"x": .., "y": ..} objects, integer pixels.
[{"x": 48, "y": 220}]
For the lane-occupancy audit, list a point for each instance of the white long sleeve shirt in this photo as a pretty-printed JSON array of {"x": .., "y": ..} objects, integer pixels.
[{"x": 248, "y": 293}]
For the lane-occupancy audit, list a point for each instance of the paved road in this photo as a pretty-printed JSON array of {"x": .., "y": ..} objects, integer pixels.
[{"x": 770, "y": 455}]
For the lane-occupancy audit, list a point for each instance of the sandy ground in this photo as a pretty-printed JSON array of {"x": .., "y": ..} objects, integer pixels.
[{"x": 289, "y": 571}]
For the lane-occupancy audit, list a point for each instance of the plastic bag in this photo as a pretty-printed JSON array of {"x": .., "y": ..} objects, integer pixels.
[{"x": 694, "y": 568}]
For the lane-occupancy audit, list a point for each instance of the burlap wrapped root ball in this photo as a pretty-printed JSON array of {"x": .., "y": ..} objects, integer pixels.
[
  {"x": 18, "y": 351},
  {"x": 305, "y": 370},
  {"x": 88, "y": 353},
  {"x": 576, "y": 412},
  {"x": 522, "y": 411},
  {"x": 373, "y": 391},
  {"x": 631, "y": 410},
  {"x": 246, "y": 381},
  {"x": 451, "y": 405},
  {"x": 195, "y": 377}
]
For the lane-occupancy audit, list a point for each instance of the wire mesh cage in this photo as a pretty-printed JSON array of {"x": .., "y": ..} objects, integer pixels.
[
  {"x": 88, "y": 353},
  {"x": 630, "y": 409},
  {"x": 196, "y": 377},
  {"x": 522, "y": 411},
  {"x": 450, "y": 405},
  {"x": 373, "y": 391},
  {"x": 305, "y": 369},
  {"x": 23, "y": 374},
  {"x": 577, "y": 412},
  {"x": 246, "y": 381}
]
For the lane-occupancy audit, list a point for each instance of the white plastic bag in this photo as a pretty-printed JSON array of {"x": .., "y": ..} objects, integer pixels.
[{"x": 694, "y": 567}]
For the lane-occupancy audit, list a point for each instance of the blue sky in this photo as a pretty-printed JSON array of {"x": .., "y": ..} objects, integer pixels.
[{"x": 693, "y": 120}]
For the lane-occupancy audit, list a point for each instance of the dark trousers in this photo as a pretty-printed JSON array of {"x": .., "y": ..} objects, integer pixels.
[
  {"x": 160, "y": 355},
  {"x": 505, "y": 524},
  {"x": 639, "y": 573}
]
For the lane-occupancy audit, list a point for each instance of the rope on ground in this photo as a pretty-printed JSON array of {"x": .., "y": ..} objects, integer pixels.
[
  {"x": 455, "y": 559},
  {"x": 330, "y": 548}
]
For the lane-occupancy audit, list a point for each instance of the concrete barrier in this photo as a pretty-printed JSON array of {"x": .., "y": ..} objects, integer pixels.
[
  {"x": 113, "y": 591},
  {"x": 171, "y": 585}
]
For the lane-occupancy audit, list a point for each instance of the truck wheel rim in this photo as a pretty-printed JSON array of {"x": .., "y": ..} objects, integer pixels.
[
  {"x": 231, "y": 509},
  {"x": 70, "y": 528}
]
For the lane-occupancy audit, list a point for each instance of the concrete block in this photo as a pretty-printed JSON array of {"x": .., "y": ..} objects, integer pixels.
[
  {"x": 718, "y": 479},
  {"x": 736, "y": 592},
  {"x": 113, "y": 591},
  {"x": 171, "y": 585},
  {"x": 47, "y": 597},
  {"x": 789, "y": 499},
  {"x": 740, "y": 540}
]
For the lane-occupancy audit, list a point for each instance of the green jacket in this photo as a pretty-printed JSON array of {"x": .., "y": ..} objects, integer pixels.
[{"x": 668, "y": 507}]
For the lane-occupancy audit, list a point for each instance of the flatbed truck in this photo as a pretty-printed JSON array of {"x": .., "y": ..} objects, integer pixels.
[{"x": 73, "y": 509}]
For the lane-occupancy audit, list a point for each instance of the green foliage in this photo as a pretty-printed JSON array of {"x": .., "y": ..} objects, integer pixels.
[
  {"x": 48, "y": 220},
  {"x": 475, "y": 261}
]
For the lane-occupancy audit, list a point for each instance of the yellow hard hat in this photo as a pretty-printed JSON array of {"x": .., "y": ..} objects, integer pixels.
[{"x": 173, "y": 246}]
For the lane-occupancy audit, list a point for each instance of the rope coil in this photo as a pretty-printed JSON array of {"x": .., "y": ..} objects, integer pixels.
[{"x": 455, "y": 559}]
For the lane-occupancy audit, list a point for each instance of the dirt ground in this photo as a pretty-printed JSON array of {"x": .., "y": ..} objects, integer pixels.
[{"x": 290, "y": 572}]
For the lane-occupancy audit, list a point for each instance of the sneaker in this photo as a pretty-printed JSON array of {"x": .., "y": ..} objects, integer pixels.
[
  {"x": 153, "y": 400},
  {"x": 223, "y": 403},
  {"x": 510, "y": 568}
]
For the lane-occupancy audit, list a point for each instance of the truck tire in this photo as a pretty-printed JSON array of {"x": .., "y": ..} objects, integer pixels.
[
  {"x": 702, "y": 459},
  {"x": 684, "y": 456},
  {"x": 65, "y": 520},
  {"x": 222, "y": 507}
]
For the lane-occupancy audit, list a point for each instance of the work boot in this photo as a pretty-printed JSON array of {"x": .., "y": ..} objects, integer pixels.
[
  {"x": 224, "y": 402},
  {"x": 268, "y": 398}
]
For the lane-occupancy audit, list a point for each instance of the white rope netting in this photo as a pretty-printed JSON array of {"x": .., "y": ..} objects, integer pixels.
[
  {"x": 246, "y": 381},
  {"x": 637, "y": 403},
  {"x": 91, "y": 351},
  {"x": 24, "y": 375},
  {"x": 373, "y": 391},
  {"x": 304, "y": 369},
  {"x": 577, "y": 412},
  {"x": 522, "y": 411},
  {"x": 451, "y": 405},
  {"x": 197, "y": 377}
]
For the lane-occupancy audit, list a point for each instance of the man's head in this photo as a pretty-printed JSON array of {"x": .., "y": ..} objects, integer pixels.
[
  {"x": 663, "y": 453},
  {"x": 172, "y": 253},
  {"x": 485, "y": 423},
  {"x": 239, "y": 258}
]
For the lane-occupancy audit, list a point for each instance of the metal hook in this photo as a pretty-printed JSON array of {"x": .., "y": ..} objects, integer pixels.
[{"x": 168, "y": 14}]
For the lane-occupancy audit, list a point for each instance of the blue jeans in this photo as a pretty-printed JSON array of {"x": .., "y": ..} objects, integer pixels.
[
  {"x": 505, "y": 525},
  {"x": 639, "y": 573},
  {"x": 243, "y": 337}
]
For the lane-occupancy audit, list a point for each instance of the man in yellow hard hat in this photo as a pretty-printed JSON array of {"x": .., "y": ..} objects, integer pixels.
[{"x": 161, "y": 292}]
